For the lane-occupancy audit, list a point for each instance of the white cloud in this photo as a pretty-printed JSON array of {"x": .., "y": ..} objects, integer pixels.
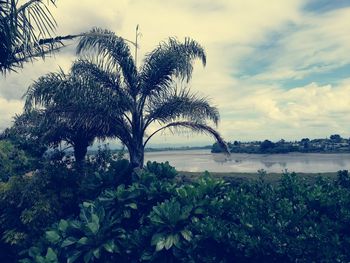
[
  {"x": 231, "y": 31},
  {"x": 315, "y": 43},
  {"x": 8, "y": 108}
]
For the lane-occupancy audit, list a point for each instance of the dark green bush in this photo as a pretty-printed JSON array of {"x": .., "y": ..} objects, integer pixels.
[
  {"x": 13, "y": 161},
  {"x": 31, "y": 203},
  {"x": 155, "y": 220},
  {"x": 161, "y": 170},
  {"x": 149, "y": 216}
]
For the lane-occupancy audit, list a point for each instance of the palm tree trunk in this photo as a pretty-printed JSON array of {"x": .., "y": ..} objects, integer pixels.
[
  {"x": 80, "y": 150},
  {"x": 136, "y": 155}
]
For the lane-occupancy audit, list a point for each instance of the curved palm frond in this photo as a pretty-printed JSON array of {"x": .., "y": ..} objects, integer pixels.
[
  {"x": 170, "y": 59},
  {"x": 87, "y": 72},
  {"x": 98, "y": 73},
  {"x": 76, "y": 106},
  {"x": 28, "y": 123},
  {"x": 195, "y": 127},
  {"x": 184, "y": 105},
  {"x": 25, "y": 32},
  {"x": 44, "y": 91},
  {"x": 105, "y": 46}
]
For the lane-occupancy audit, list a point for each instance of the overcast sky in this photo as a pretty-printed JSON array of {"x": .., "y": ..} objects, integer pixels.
[{"x": 275, "y": 69}]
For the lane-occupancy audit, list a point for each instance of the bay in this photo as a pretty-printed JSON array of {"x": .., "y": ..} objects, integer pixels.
[{"x": 202, "y": 160}]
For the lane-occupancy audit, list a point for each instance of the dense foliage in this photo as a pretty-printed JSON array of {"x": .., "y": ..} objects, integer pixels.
[
  {"x": 13, "y": 161},
  {"x": 101, "y": 215}
]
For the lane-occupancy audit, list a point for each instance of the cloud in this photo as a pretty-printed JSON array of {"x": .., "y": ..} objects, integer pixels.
[
  {"x": 298, "y": 112},
  {"x": 256, "y": 54},
  {"x": 314, "y": 43},
  {"x": 8, "y": 108}
]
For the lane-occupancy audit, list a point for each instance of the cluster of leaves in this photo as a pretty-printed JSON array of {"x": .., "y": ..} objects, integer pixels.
[
  {"x": 29, "y": 203},
  {"x": 158, "y": 220},
  {"x": 13, "y": 161}
]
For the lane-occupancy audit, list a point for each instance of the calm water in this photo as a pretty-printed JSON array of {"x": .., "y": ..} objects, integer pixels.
[{"x": 201, "y": 160}]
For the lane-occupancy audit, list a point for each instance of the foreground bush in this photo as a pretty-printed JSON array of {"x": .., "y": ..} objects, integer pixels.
[
  {"x": 31, "y": 203},
  {"x": 13, "y": 161},
  {"x": 158, "y": 220}
]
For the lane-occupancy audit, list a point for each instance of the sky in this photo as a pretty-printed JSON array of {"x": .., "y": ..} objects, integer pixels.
[{"x": 275, "y": 69}]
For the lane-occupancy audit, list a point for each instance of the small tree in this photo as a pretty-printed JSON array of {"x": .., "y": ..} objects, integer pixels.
[
  {"x": 148, "y": 94},
  {"x": 335, "y": 138},
  {"x": 66, "y": 107}
]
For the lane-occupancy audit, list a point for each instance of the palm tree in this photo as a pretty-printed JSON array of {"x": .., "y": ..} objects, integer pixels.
[
  {"x": 69, "y": 108},
  {"x": 26, "y": 32},
  {"x": 149, "y": 94}
]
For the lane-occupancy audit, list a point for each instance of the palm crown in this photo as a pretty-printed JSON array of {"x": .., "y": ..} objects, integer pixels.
[{"x": 149, "y": 93}]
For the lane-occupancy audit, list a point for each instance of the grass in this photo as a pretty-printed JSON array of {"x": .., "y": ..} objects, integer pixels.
[{"x": 241, "y": 177}]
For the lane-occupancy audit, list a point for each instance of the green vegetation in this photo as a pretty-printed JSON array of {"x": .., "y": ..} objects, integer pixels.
[
  {"x": 272, "y": 178},
  {"x": 60, "y": 215},
  {"x": 335, "y": 144},
  {"x": 13, "y": 161},
  {"x": 26, "y": 32},
  {"x": 106, "y": 209}
]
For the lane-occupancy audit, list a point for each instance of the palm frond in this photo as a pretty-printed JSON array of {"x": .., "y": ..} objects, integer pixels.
[
  {"x": 104, "y": 45},
  {"x": 170, "y": 59},
  {"x": 21, "y": 30},
  {"x": 46, "y": 90},
  {"x": 172, "y": 107},
  {"x": 194, "y": 127},
  {"x": 76, "y": 105}
]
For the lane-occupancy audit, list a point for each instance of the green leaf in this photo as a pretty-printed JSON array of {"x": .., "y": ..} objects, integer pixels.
[
  {"x": 33, "y": 251},
  {"x": 75, "y": 224},
  {"x": 169, "y": 242},
  {"x": 176, "y": 240},
  {"x": 95, "y": 219},
  {"x": 160, "y": 245},
  {"x": 51, "y": 255},
  {"x": 52, "y": 236},
  {"x": 110, "y": 247},
  {"x": 74, "y": 257},
  {"x": 87, "y": 204},
  {"x": 83, "y": 241},
  {"x": 69, "y": 241},
  {"x": 156, "y": 238},
  {"x": 94, "y": 227},
  {"x": 132, "y": 205},
  {"x": 187, "y": 235},
  {"x": 199, "y": 211},
  {"x": 96, "y": 253},
  {"x": 87, "y": 257},
  {"x": 40, "y": 259},
  {"x": 63, "y": 225}
]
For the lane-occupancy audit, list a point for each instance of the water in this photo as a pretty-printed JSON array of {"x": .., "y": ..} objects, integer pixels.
[{"x": 201, "y": 160}]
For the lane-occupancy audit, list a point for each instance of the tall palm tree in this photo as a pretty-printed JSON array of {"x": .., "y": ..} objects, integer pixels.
[
  {"x": 69, "y": 108},
  {"x": 26, "y": 31},
  {"x": 148, "y": 94}
]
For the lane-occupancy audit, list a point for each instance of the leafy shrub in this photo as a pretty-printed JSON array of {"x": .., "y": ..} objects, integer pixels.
[
  {"x": 31, "y": 203},
  {"x": 344, "y": 179},
  {"x": 13, "y": 161},
  {"x": 209, "y": 220},
  {"x": 148, "y": 216},
  {"x": 161, "y": 170}
]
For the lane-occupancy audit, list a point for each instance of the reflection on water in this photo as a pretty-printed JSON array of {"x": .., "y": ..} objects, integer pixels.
[{"x": 201, "y": 160}]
